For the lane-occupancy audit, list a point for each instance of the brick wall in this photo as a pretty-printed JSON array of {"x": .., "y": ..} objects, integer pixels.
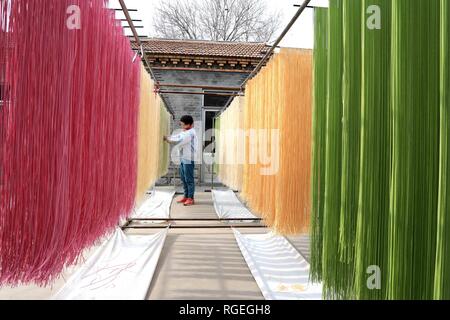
[{"x": 191, "y": 104}]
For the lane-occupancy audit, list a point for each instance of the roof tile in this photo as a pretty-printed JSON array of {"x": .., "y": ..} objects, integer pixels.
[{"x": 204, "y": 48}]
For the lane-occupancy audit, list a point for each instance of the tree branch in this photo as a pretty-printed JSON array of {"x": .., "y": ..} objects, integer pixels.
[{"x": 219, "y": 20}]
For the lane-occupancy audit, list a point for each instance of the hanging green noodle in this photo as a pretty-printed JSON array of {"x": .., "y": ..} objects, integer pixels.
[
  {"x": 415, "y": 157},
  {"x": 351, "y": 131},
  {"x": 319, "y": 123},
  {"x": 373, "y": 212},
  {"x": 333, "y": 271},
  {"x": 442, "y": 280},
  {"x": 392, "y": 154}
]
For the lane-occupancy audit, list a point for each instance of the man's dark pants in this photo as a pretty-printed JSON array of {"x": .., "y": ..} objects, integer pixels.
[{"x": 187, "y": 177}]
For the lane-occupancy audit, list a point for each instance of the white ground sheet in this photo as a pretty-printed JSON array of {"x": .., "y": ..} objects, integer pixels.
[
  {"x": 157, "y": 206},
  {"x": 121, "y": 269},
  {"x": 278, "y": 268},
  {"x": 228, "y": 206}
]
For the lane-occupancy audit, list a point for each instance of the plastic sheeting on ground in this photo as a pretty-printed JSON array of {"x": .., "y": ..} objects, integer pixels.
[
  {"x": 157, "y": 206},
  {"x": 280, "y": 271},
  {"x": 121, "y": 269},
  {"x": 228, "y": 206}
]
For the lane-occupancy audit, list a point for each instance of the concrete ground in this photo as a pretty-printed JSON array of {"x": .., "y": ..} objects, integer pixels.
[{"x": 195, "y": 264}]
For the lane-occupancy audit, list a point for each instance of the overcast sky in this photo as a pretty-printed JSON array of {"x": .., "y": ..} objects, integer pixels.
[{"x": 300, "y": 36}]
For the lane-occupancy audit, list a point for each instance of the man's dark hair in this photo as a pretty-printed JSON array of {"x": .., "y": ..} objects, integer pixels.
[{"x": 187, "y": 120}]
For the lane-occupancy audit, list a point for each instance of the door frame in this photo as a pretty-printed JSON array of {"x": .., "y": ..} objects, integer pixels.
[{"x": 203, "y": 178}]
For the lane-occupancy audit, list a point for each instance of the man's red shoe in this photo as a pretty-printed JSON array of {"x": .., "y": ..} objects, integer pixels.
[
  {"x": 183, "y": 200},
  {"x": 189, "y": 202}
]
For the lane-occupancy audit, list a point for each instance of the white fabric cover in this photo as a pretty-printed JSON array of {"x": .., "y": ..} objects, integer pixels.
[
  {"x": 280, "y": 271},
  {"x": 228, "y": 206},
  {"x": 121, "y": 269},
  {"x": 157, "y": 206}
]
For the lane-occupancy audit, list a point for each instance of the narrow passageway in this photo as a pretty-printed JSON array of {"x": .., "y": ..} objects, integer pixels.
[
  {"x": 195, "y": 264},
  {"x": 202, "y": 263},
  {"x": 198, "y": 264}
]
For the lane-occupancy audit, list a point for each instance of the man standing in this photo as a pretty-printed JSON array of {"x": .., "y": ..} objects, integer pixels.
[{"x": 187, "y": 141}]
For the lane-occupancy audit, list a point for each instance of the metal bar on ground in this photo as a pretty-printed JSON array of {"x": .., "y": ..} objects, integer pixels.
[
  {"x": 196, "y": 227},
  {"x": 129, "y": 221},
  {"x": 197, "y": 219}
]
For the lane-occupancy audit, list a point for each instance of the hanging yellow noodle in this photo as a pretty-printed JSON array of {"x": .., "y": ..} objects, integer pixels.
[
  {"x": 232, "y": 155},
  {"x": 277, "y": 120},
  {"x": 164, "y": 130},
  {"x": 154, "y": 123},
  {"x": 295, "y": 121}
]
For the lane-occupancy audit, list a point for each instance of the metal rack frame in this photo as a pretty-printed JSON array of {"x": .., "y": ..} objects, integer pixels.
[
  {"x": 142, "y": 53},
  {"x": 195, "y": 226}
]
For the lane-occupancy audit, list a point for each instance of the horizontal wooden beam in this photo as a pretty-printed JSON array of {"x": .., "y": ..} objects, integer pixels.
[
  {"x": 202, "y": 69},
  {"x": 226, "y": 94},
  {"x": 202, "y": 58},
  {"x": 195, "y": 86}
]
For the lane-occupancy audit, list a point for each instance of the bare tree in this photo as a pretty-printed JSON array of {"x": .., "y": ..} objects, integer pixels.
[{"x": 219, "y": 20}]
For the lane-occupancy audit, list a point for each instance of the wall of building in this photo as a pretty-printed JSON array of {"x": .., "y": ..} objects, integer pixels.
[{"x": 191, "y": 104}]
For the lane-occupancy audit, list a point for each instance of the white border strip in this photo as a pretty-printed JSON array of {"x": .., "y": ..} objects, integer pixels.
[
  {"x": 121, "y": 269},
  {"x": 279, "y": 270}
]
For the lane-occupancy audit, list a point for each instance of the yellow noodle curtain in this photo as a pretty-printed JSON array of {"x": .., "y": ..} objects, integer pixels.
[
  {"x": 154, "y": 123},
  {"x": 275, "y": 119},
  {"x": 232, "y": 156}
]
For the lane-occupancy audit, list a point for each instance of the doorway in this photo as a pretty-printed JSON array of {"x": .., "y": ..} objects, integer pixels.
[{"x": 208, "y": 146}]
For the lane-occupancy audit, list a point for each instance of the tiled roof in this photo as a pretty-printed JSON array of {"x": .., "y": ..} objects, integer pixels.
[{"x": 204, "y": 48}]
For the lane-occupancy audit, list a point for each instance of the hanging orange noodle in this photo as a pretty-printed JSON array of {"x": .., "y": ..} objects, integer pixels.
[
  {"x": 277, "y": 120},
  {"x": 295, "y": 122}
]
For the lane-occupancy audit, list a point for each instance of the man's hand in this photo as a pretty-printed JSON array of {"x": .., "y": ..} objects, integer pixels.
[{"x": 167, "y": 139}]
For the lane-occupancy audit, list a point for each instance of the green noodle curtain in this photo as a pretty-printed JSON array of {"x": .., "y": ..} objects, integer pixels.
[
  {"x": 320, "y": 73},
  {"x": 351, "y": 127},
  {"x": 442, "y": 280},
  {"x": 373, "y": 212},
  {"x": 379, "y": 188},
  {"x": 332, "y": 269},
  {"x": 415, "y": 148}
]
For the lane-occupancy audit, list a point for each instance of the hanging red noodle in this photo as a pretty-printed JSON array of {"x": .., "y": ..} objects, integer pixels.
[{"x": 68, "y": 135}]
